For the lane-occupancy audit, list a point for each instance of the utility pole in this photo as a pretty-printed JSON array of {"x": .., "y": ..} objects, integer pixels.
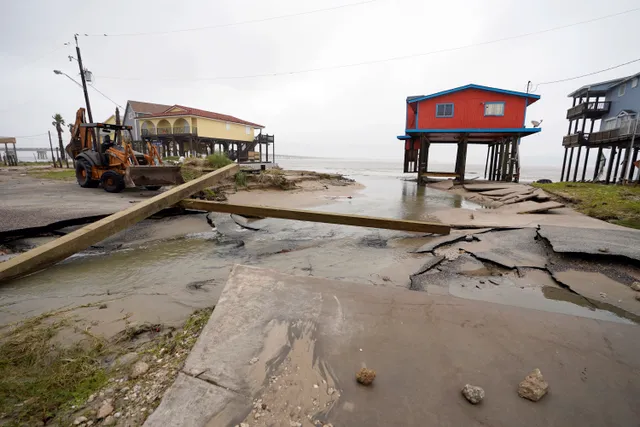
[
  {"x": 53, "y": 157},
  {"x": 84, "y": 80}
]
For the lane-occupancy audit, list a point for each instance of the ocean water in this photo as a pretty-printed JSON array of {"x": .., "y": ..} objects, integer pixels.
[{"x": 358, "y": 168}]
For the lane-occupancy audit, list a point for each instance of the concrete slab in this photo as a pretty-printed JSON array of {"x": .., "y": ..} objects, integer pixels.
[
  {"x": 488, "y": 186},
  {"x": 296, "y": 343},
  {"x": 494, "y": 218},
  {"x": 507, "y": 191},
  {"x": 530, "y": 207},
  {"x": 451, "y": 238},
  {"x": 623, "y": 242},
  {"x": 197, "y": 400}
]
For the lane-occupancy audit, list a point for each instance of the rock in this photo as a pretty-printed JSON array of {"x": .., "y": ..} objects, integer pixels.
[
  {"x": 89, "y": 423},
  {"x": 117, "y": 415},
  {"x": 127, "y": 359},
  {"x": 244, "y": 425},
  {"x": 638, "y": 297},
  {"x": 102, "y": 306},
  {"x": 533, "y": 387},
  {"x": 138, "y": 369},
  {"x": 636, "y": 286},
  {"x": 79, "y": 421},
  {"x": 253, "y": 361},
  {"x": 109, "y": 421},
  {"x": 603, "y": 295},
  {"x": 295, "y": 424},
  {"x": 105, "y": 409},
  {"x": 91, "y": 398},
  {"x": 365, "y": 376},
  {"x": 468, "y": 238},
  {"x": 473, "y": 394}
]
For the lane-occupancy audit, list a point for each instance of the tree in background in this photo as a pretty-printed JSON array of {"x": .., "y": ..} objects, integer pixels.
[{"x": 58, "y": 122}]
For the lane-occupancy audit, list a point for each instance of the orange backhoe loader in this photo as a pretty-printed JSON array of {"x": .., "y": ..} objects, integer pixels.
[{"x": 113, "y": 163}]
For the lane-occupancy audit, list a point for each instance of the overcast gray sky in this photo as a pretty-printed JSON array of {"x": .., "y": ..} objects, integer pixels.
[{"x": 344, "y": 112}]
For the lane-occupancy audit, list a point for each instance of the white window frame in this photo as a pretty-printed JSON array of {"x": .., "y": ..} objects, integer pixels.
[
  {"x": 494, "y": 104},
  {"x": 622, "y": 89},
  {"x": 634, "y": 82},
  {"x": 227, "y": 125},
  {"x": 247, "y": 130},
  {"x": 444, "y": 106},
  {"x": 130, "y": 115}
]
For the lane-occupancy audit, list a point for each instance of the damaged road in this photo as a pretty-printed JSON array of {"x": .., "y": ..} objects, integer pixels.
[{"x": 521, "y": 267}]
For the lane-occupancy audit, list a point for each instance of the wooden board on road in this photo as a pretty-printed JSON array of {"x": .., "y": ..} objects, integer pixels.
[
  {"x": 65, "y": 246},
  {"x": 313, "y": 216}
]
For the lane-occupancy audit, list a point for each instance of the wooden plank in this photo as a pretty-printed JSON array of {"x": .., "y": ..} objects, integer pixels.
[
  {"x": 61, "y": 248},
  {"x": 312, "y": 216}
]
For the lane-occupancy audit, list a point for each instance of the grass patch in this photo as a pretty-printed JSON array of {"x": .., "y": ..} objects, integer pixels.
[
  {"x": 240, "y": 179},
  {"x": 38, "y": 377},
  {"x": 56, "y": 174},
  {"x": 217, "y": 160},
  {"x": 613, "y": 203},
  {"x": 189, "y": 173}
]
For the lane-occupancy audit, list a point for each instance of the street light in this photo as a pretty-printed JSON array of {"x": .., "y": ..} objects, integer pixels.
[{"x": 58, "y": 72}]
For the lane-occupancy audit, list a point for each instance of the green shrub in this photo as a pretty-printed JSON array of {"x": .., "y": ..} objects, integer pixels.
[
  {"x": 217, "y": 160},
  {"x": 241, "y": 179}
]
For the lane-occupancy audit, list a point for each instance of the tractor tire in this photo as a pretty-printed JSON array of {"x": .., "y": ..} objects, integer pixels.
[
  {"x": 153, "y": 187},
  {"x": 83, "y": 175},
  {"x": 112, "y": 182}
]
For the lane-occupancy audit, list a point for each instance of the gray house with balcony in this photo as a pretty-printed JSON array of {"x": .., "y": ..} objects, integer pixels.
[{"x": 604, "y": 115}]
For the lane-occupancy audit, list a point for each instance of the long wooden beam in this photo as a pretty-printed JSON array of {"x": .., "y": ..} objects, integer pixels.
[
  {"x": 61, "y": 248},
  {"x": 312, "y": 216}
]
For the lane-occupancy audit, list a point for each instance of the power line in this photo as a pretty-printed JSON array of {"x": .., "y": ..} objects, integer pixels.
[
  {"x": 586, "y": 75},
  {"x": 96, "y": 89},
  {"x": 378, "y": 61},
  {"x": 231, "y": 24},
  {"x": 30, "y": 136}
]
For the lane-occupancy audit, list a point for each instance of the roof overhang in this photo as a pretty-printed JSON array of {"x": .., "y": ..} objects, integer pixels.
[
  {"x": 473, "y": 135},
  {"x": 532, "y": 97}
]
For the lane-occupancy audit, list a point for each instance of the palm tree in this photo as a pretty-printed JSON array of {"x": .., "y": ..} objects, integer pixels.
[{"x": 58, "y": 122}]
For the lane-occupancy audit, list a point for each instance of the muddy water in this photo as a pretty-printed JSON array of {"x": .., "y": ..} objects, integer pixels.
[{"x": 182, "y": 263}]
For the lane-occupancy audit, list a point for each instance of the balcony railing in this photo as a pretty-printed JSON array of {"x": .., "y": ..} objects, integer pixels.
[
  {"x": 591, "y": 109},
  {"x": 624, "y": 131},
  {"x": 170, "y": 131}
]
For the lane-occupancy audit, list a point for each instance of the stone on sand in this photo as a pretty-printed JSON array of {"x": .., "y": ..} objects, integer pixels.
[
  {"x": 533, "y": 387},
  {"x": 139, "y": 369},
  {"x": 636, "y": 286},
  {"x": 105, "y": 409},
  {"x": 366, "y": 376},
  {"x": 473, "y": 394}
]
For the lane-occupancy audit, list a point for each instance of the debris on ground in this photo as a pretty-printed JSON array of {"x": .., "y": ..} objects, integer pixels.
[
  {"x": 533, "y": 387},
  {"x": 473, "y": 394},
  {"x": 138, "y": 369},
  {"x": 366, "y": 376},
  {"x": 635, "y": 286}
]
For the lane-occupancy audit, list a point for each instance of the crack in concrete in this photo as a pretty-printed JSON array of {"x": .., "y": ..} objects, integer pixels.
[{"x": 213, "y": 382}]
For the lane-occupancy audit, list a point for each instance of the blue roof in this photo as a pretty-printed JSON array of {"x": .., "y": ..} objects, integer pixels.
[{"x": 411, "y": 99}]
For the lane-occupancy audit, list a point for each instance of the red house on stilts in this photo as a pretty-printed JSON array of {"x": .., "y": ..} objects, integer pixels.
[{"x": 470, "y": 114}]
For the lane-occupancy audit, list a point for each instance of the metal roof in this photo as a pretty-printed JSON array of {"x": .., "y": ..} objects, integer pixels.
[
  {"x": 532, "y": 96},
  {"x": 600, "y": 88}
]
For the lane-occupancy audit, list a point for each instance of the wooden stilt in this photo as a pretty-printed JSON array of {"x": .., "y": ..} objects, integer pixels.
[
  {"x": 421, "y": 159},
  {"x": 512, "y": 157},
  {"x": 564, "y": 163},
  {"x": 596, "y": 170},
  {"x": 615, "y": 174},
  {"x": 463, "y": 158},
  {"x": 486, "y": 162},
  {"x": 492, "y": 161},
  {"x": 633, "y": 160},
  {"x": 612, "y": 156},
  {"x": 569, "y": 165},
  {"x": 505, "y": 161},
  {"x": 586, "y": 160},
  {"x": 575, "y": 172}
]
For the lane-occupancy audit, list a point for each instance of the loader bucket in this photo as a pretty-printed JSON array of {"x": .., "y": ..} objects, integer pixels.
[{"x": 137, "y": 176}]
